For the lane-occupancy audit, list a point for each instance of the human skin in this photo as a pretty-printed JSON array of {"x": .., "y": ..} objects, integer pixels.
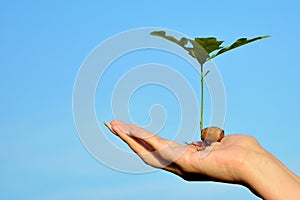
[{"x": 236, "y": 159}]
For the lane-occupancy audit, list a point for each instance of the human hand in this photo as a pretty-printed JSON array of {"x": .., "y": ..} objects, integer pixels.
[
  {"x": 222, "y": 161},
  {"x": 235, "y": 159}
]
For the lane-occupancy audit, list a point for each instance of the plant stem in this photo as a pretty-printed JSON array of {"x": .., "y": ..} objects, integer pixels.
[{"x": 202, "y": 97}]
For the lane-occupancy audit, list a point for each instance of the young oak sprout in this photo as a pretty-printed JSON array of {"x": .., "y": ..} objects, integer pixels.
[{"x": 204, "y": 49}]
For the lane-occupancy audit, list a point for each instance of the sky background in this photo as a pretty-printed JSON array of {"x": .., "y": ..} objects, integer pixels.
[{"x": 43, "y": 45}]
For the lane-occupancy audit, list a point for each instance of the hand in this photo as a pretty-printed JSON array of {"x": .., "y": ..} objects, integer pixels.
[
  {"x": 236, "y": 159},
  {"x": 221, "y": 163}
]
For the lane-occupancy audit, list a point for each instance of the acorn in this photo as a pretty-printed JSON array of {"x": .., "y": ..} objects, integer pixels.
[{"x": 211, "y": 134}]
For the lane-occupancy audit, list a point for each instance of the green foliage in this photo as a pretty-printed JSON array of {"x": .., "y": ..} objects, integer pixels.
[
  {"x": 197, "y": 51},
  {"x": 210, "y": 44},
  {"x": 238, "y": 43},
  {"x": 182, "y": 42},
  {"x": 202, "y": 48}
]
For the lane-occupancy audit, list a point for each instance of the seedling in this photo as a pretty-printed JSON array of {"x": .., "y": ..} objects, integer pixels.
[{"x": 203, "y": 50}]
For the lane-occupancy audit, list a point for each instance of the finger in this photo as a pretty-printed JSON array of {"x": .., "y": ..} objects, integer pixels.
[
  {"x": 121, "y": 129},
  {"x": 139, "y": 133},
  {"x": 140, "y": 147},
  {"x": 108, "y": 125},
  {"x": 167, "y": 150},
  {"x": 151, "y": 139},
  {"x": 162, "y": 154}
]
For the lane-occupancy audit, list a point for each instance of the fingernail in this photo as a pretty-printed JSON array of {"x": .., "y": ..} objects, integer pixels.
[{"x": 108, "y": 125}]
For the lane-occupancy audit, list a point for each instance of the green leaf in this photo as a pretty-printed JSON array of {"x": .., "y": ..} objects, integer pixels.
[
  {"x": 210, "y": 44},
  {"x": 182, "y": 42},
  {"x": 203, "y": 47},
  {"x": 238, "y": 43},
  {"x": 198, "y": 52},
  {"x": 206, "y": 73}
]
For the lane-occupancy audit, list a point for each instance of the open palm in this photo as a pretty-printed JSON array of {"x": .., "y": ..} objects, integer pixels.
[{"x": 222, "y": 161}]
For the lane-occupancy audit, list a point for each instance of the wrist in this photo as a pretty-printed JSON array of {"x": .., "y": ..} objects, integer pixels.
[{"x": 268, "y": 178}]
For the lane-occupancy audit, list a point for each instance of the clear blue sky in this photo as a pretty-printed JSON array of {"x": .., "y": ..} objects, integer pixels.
[{"x": 43, "y": 45}]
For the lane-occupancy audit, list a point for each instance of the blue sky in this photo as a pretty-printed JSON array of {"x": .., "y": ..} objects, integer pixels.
[{"x": 43, "y": 45}]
